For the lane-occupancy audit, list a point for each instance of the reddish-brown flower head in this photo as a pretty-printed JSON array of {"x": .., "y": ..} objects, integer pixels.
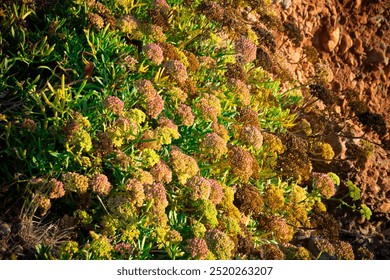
[
  {"x": 154, "y": 102},
  {"x": 209, "y": 106},
  {"x": 199, "y": 188},
  {"x": 241, "y": 162},
  {"x": 56, "y": 189},
  {"x": 186, "y": 115},
  {"x": 251, "y": 136},
  {"x": 113, "y": 104},
  {"x": 241, "y": 90},
  {"x": 216, "y": 191},
  {"x": 176, "y": 70},
  {"x": 156, "y": 193},
  {"x": 246, "y": 49},
  {"x": 213, "y": 145},
  {"x": 29, "y": 124},
  {"x": 154, "y": 53},
  {"x": 197, "y": 248},
  {"x": 161, "y": 172},
  {"x": 248, "y": 117},
  {"x": 136, "y": 191},
  {"x": 161, "y": 5},
  {"x": 154, "y": 106},
  {"x": 282, "y": 231},
  {"x": 130, "y": 63},
  {"x": 324, "y": 184},
  {"x": 100, "y": 185}
]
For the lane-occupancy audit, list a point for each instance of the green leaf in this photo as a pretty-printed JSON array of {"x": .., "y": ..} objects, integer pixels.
[{"x": 54, "y": 154}]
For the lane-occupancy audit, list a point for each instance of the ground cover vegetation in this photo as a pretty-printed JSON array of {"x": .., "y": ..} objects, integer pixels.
[{"x": 161, "y": 130}]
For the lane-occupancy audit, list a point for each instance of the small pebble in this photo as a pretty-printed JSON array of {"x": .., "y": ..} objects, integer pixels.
[{"x": 286, "y": 4}]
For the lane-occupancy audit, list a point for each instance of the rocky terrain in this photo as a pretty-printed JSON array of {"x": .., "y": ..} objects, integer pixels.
[{"x": 352, "y": 39}]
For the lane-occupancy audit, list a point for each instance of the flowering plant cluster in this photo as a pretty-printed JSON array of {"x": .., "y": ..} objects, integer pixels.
[{"x": 150, "y": 130}]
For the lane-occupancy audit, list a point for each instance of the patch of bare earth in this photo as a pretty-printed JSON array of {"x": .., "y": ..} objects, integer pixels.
[{"x": 352, "y": 38}]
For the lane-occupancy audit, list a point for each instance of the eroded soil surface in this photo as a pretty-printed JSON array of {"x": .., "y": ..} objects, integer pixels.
[{"x": 353, "y": 39}]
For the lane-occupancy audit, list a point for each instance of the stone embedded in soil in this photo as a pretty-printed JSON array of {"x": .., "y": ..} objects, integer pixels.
[
  {"x": 376, "y": 56},
  {"x": 286, "y": 4},
  {"x": 330, "y": 38},
  {"x": 358, "y": 3},
  {"x": 351, "y": 60},
  {"x": 387, "y": 71},
  {"x": 385, "y": 207},
  {"x": 345, "y": 44},
  {"x": 363, "y": 19},
  {"x": 337, "y": 86},
  {"x": 294, "y": 56},
  {"x": 358, "y": 45}
]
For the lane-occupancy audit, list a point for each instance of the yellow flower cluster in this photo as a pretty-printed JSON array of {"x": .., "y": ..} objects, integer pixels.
[
  {"x": 219, "y": 244},
  {"x": 149, "y": 157},
  {"x": 167, "y": 131},
  {"x": 298, "y": 206},
  {"x": 230, "y": 226},
  {"x": 68, "y": 249},
  {"x": 274, "y": 197},
  {"x": 161, "y": 172},
  {"x": 227, "y": 206},
  {"x": 184, "y": 166},
  {"x": 77, "y": 139},
  {"x": 135, "y": 190},
  {"x": 213, "y": 146},
  {"x": 80, "y": 141},
  {"x": 130, "y": 25},
  {"x": 130, "y": 233},
  {"x": 209, "y": 106},
  {"x": 75, "y": 182},
  {"x": 323, "y": 150},
  {"x": 100, "y": 246},
  {"x": 198, "y": 229}
]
